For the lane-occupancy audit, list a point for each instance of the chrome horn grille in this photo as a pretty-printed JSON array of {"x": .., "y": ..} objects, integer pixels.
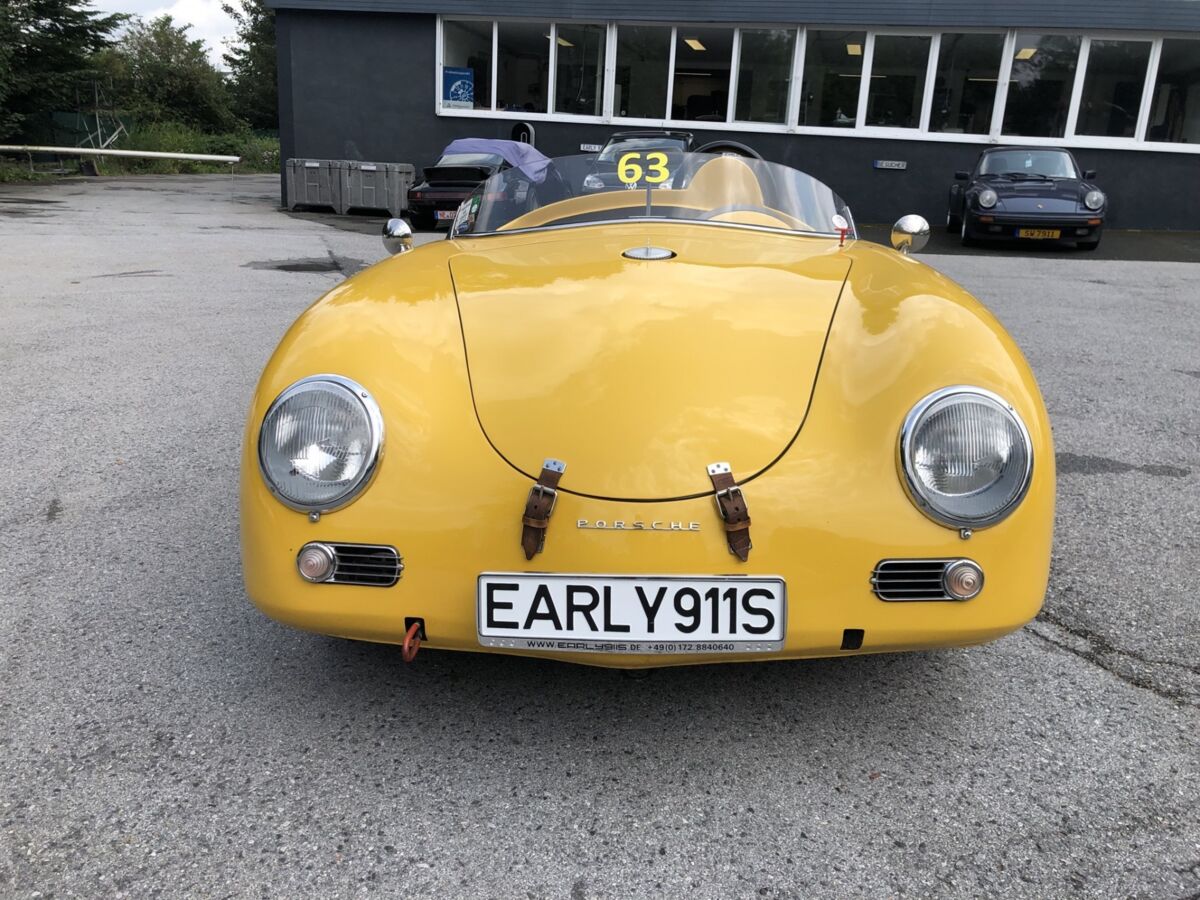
[
  {"x": 911, "y": 579},
  {"x": 365, "y": 564}
]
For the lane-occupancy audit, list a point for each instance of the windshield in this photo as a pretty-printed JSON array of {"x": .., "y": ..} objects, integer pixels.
[
  {"x": 693, "y": 187},
  {"x": 1048, "y": 163},
  {"x": 470, "y": 159},
  {"x": 653, "y": 142}
]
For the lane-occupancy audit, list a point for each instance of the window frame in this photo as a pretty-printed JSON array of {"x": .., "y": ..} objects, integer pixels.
[{"x": 791, "y": 125}]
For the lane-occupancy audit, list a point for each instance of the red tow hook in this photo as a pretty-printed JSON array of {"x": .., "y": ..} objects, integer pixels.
[{"x": 412, "y": 641}]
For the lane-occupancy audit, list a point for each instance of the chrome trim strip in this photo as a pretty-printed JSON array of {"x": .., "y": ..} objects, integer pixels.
[
  {"x": 657, "y": 220},
  {"x": 911, "y": 485},
  {"x": 374, "y": 417}
]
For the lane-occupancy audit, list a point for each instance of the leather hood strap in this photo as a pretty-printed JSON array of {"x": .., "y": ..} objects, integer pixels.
[
  {"x": 540, "y": 506},
  {"x": 731, "y": 505}
]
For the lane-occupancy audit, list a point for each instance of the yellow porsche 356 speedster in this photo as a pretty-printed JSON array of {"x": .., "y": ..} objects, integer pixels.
[{"x": 690, "y": 417}]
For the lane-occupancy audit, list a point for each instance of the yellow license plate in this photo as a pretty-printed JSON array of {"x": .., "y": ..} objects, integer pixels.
[{"x": 1039, "y": 233}]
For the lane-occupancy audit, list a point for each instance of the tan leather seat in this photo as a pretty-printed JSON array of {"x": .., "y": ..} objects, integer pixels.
[{"x": 725, "y": 181}]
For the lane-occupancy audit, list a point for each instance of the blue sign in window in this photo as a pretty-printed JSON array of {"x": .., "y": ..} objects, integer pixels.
[{"x": 458, "y": 87}]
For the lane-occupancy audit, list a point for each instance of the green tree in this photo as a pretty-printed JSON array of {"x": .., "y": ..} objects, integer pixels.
[
  {"x": 251, "y": 61},
  {"x": 47, "y": 50},
  {"x": 159, "y": 74}
]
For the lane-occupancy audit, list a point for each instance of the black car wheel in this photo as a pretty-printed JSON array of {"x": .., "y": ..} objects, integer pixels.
[
  {"x": 965, "y": 232},
  {"x": 953, "y": 222}
]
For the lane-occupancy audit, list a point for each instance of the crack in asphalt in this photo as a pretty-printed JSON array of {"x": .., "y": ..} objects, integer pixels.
[
  {"x": 1073, "y": 463},
  {"x": 1099, "y": 652}
]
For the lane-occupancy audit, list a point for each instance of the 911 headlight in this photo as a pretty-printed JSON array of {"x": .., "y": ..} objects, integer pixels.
[
  {"x": 319, "y": 443},
  {"x": 966, "y": 456},
  {"x": 987, "y": 198},
  {"x": 1093, "y": 199}
]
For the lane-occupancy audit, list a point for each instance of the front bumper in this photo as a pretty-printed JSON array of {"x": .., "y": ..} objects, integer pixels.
[
  {"x": 1071, "y": 228},
  {"x": 825, "y": 557}
]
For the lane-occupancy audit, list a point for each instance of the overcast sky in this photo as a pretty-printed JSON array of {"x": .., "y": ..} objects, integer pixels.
[{"x": 208, "y": 22}]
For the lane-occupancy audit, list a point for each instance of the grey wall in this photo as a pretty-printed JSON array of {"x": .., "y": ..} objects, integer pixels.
[
  {"x": 361, "y": 86},
  {"x": 1157, "y": 15}
]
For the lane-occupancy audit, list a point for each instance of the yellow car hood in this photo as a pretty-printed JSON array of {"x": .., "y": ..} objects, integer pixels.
[{"x": 638, "y": 374}]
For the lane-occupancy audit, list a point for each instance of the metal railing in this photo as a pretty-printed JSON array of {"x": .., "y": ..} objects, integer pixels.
[{"x": 146, "y": 154}]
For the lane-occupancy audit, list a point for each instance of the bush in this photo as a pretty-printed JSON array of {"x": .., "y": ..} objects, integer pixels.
[{"x": 259, "y": 153}]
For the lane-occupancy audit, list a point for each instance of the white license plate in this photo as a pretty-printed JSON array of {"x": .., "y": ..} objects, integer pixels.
[
  {"x": 445, "y": 215},
  {"x": 631, "y": 613}
]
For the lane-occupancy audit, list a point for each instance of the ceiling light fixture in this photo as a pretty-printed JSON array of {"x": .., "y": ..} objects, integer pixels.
[
  {"x": 694, "y": 43},
  {"x": 563, "y": 42},
  {"x": 1026, "y": 52},
  {"x": 854, "y": 49}
]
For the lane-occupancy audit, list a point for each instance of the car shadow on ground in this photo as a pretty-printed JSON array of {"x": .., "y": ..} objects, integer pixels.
[
  {"x": 1137, "y": 246},
  {"x": 491, "y": 690}
]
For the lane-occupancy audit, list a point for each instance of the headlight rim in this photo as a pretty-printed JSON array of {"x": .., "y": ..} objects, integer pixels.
[
  {"x": 912, "y": 484},
  {"x": 1098, "y": 206},
  {"x": 987, "y": 192},
  {"x": 374, "y": 418}
]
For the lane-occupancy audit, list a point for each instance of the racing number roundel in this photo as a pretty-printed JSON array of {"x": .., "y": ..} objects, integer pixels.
[{"x": 631, "y": 171}]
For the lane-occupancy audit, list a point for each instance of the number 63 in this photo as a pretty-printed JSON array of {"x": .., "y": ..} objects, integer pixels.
[{"x": 630, "y": 171}]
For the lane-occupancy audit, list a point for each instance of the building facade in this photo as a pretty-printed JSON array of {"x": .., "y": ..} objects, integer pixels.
[{"x": 881, "y": 101}]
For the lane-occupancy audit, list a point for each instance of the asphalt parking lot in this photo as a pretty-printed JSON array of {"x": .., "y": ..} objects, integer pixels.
[{"x": 160, "y": 737}]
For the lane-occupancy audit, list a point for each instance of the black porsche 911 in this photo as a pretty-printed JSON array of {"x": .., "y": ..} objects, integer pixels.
[
  {"x": 1027, "y": 193},
  {"x": 460, "y": 169}
]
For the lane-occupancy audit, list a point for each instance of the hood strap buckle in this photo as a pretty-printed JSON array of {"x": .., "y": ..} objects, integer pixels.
[
  {"x": 731, "y": 506},
  {"x": 543, "y": 497}
]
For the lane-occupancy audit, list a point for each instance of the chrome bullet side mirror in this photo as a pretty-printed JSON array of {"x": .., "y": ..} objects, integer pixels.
[
  {"x": 397, "y": 236},
  {"x": 910, "y": 234}
]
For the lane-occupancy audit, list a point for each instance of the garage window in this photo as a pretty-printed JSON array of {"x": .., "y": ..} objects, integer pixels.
[
  {"x": 522, "y": 66},
  {"x": 1175, "y": 107},
  {"x": 964, "y": 87},
  {"x": 764, "y": 74},
  {"x": 466, "y": 65},
  {"x": 703, "y": 62},
  {"x": 1112, "y": 88},
  {"x": 579, "y": 69},
  {"x": 643, "y": 69},
  {"x": 832, "y": 77},
  {"x": 1039, "y": 88},
  {"x": 1015, "y": 86},
  {"x": 897, "y": 85}
]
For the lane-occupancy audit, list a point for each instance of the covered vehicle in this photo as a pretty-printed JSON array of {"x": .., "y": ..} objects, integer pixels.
[
  {"x": 650, "y": 426},
  {"x": 1027, "y": 193},
  {"x": 463, "y": 166}
]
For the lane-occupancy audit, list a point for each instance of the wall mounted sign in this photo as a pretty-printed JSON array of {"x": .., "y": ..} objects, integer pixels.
[
  {"x": 898, "y": 164},
  {"x": 590, "y": 148},
  {"x": 458, "y": 87}
]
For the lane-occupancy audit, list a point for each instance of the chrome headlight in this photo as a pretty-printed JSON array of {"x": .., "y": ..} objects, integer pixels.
[
  {"x": 593, "y": 182},
  {"x": 987, "y": 198},
  {"x": 1093, "y": 199},
  {"x": 966, "y": 456},
  {"x": 320, "y": 442}
]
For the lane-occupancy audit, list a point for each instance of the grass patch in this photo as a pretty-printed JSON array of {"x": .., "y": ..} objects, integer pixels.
[
  {"x": 259, "y": 153},
  {"x": 12, "y": 172}
]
